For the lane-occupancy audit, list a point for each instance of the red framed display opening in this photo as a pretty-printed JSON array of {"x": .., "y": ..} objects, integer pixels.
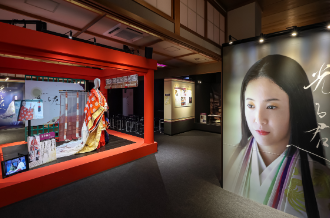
[{"x": 24, "y": 51}]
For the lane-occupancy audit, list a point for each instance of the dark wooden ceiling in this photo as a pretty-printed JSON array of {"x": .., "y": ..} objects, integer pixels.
[
  {"x": 277, "y": 15},
  {"x": 268, "y": 6},
  {"x": 229, "y": 5}
]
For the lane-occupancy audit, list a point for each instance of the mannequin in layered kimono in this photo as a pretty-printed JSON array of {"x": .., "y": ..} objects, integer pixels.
[
  {"x": 93, "y": 129},
  {"x": 94, "y": 118},
  {"x": 271, "y": 165}
]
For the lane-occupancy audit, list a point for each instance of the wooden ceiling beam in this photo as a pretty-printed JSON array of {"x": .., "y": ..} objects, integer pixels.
[
  {"x": 177, "y": 57},
  {"x": 181, "y": 56},
  {"x": 85, "y": 30},
  {"x": 94, "y": 21},
  {"x": 121, "y": 15}
]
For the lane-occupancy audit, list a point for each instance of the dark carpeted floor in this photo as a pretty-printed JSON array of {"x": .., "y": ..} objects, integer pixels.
[{"x": 180, "y": 180}]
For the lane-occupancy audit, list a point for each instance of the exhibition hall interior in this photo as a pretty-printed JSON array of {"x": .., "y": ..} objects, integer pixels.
[{"x": 164, "y": 108}]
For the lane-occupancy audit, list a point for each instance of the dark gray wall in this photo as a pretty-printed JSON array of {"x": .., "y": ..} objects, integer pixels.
[
  {"x": 178, "y": 127},
  {"x": 210, "y": 83}
]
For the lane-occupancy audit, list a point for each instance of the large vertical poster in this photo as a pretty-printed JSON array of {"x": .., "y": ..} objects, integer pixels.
[{"x": 276, "y": 123}]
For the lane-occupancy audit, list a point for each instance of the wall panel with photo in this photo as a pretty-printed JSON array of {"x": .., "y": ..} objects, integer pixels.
[
  {"x": 277, "y": 122},
  {"x": 9, "y": 92}
]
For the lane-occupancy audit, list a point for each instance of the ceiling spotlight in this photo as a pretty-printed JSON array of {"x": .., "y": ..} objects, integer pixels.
[
  {"x": 231, "y": 39},
  {"x": 127, "y": 49},
  {"x": 7, "y": 79},
  {"x": 261, "y": 38},
  {"x": 294, "y": 31},
  {"x": 328, "y": 26},
  {"x": 94, "y": 40},
  {"x": 70, "y": 34}
]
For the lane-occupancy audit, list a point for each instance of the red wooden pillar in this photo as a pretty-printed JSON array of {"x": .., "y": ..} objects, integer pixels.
[{"x": 149, "y": 107}]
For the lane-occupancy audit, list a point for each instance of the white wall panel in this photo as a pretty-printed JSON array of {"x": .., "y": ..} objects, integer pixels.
[
  {"x": 222, "y": 22},
  {"x": 152, "y": 2},
  {"x": 222, "y": 37},
  {"x": 209, "y": 12},
  {"x": 216, "y": 18},
  {"x": 200, "y": 25},
  {"x": 192, "y": 4},
  {"x": 216, "y": 34},
  {"x": 200, "y": 7},
  {"x": 192, "y": 20},
  {"x": 209, "y": 30},
  {"x": 183, "y": 14},
  {"x": 165, "y": 6}
]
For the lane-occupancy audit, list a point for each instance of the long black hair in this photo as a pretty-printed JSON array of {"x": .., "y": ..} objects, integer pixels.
[{"x": 291, "y": 78}]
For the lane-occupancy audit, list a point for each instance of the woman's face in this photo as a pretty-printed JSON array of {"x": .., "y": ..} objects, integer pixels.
[
  {"x": 24, "y": 103},
  {"x": 267, "y": 112}
]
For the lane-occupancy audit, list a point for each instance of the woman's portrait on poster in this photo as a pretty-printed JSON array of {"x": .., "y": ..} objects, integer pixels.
[{"x": 276, "y": 111}]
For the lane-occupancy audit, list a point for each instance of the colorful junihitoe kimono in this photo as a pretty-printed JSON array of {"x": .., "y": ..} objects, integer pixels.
[
  {"x": 95, "y": 121},
  {"x": 25, "y": 114},
  {"x": 278, "y": 185}
]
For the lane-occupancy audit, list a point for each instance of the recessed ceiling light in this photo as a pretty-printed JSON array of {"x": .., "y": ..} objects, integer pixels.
[{"x": 172, "y": 48}]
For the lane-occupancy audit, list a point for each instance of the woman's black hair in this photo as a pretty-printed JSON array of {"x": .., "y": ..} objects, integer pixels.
[{"x": 291, "y": 78}]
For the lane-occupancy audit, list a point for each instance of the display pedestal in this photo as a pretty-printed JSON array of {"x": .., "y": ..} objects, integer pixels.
[{"x": 43, "y": 179}]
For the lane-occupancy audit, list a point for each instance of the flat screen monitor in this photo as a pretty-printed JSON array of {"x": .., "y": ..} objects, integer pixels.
[
  {"x": 29, "y": 109},
  {"x": 13, "y": 166}
]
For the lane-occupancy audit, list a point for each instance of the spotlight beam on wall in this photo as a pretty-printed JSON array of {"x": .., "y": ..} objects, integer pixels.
[
  {"x": 261, "y": 38},
  {"x": 294, "y": 31},
  {"x": 231, "y": 39}
]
